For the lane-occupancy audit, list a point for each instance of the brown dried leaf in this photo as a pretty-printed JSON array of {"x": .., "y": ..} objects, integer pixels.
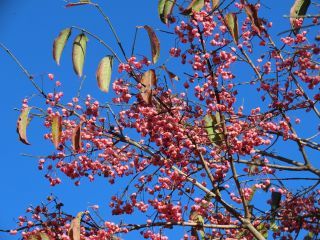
[
  {"x": 171, "y": 74},
  {"x": 76, "y": 138},
  {"x": 154, "y": 42},
  {"x": 148, "y": 80},
  {"x": 81, "y": 2},
  {"x": 56, "y": 130},
  {"x": 256, "y": 22},
  {"x": 74, "y": 230}
]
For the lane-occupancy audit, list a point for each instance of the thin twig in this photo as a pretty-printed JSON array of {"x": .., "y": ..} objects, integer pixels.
[{"x": 99, "y": 40}]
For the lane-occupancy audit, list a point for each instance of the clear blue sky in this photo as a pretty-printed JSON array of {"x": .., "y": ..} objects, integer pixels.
[{"x": 28, "y": 29}]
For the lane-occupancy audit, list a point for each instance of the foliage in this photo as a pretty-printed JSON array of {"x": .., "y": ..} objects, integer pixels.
[{"x": 194, "y": 154}]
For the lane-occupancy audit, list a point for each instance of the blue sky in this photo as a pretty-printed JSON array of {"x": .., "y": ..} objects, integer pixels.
[{"x": 28, "y": 29}]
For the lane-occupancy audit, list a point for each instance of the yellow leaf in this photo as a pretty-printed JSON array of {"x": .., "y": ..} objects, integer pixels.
[
  {"x": 22, "y": 125},
  {"x": 79, "y": 53}
]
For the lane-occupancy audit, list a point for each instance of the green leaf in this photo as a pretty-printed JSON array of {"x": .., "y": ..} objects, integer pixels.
[
  {"x": 74, "y": 230},
  {"x": 165, "y": 8},
  {"x": 59, "y": 44},
  {"x": 79, "y": 53},
  {"x": 103, "y": 73},
  {"x": 154, "y": 42},
  {"x": 195, "y": 5},
  {"x": 197, "y": 218},
  {"x": 310, "y": 236},
  {"x": 263, "y": 229},
  {"x": 22, "y": 125},
  {"x": 202, "y": 234},
  {"x": 44, "y": 236},
  {"x": 212, "y": 123},
  {"x": 161, "y": 4},
  {"x": 32, "y": 237},
  {"x": 194, "y": 233},
  {"x": 299, "y": 8},
  {"x": 39, "y": 236},
  {"x": 241, "y": 234},
  {"x": 56, "y": 130},
  {"x": 231, "y": 21},
  {"x": 148, "y": 80},
  {"x": 214, "y": 4},
  {"x": 273, "y": 226}
]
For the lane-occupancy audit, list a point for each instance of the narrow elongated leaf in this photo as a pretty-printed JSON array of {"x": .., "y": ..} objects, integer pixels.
[
  {"x": 33, "y": 237},
  {"x": 197, "y": 218},
  {"x": 213, "y": 125},
  {"x": 241, "y": 234},
  {"x": 263, "y": 229},
  {"x": 81, "y": 2},
  {"x": 231, "y": 21},
  {"x": 215, "y": 4},
  {"x": 252, "y": 13},
  {"x": 171, "y": 74},
  {"x": 74, "y": 230},
  {"x": 103, "y": 73},
  {"x": 310, "y": 236},
  {"x": 59, "y": 44},
  {"x": 161, "y": 4},
  {"x": 275, "y": 203},
  {"x": 194, "y": 233},
  {"x": 39, "y": 236},
  {"x": 79, "y": 53},
  {"x": 273, "y": 226},
  {"x": 22, "y": 125},
  {"x": 202, "y": 234},
  {"x": 165, "y": 8},
  {"x": 56, "y": 130},
  {"x": 76, "y": 138},
  {"x": 299, "y": 8},
  {"x": 148, "y": 80},
  {"x": 154, "y": 42},
  {"x": 44, "y": 236},
  {"x": 275, "y": 200},
  {"x": 209, "y": 125},
  {"x": 195, "y": 5}
]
